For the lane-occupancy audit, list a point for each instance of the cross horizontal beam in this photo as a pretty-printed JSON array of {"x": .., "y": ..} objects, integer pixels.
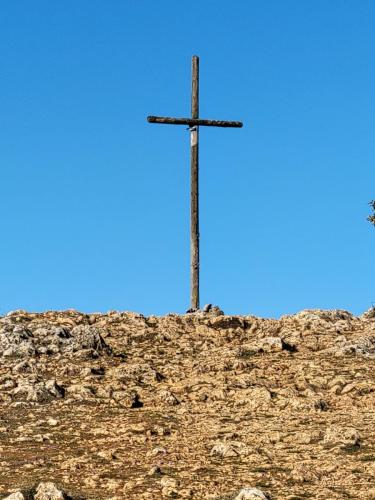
[{"x": 192, "y": 122}]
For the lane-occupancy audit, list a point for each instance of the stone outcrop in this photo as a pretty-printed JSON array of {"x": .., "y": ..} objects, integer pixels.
[{"x": 201, "y": 405}]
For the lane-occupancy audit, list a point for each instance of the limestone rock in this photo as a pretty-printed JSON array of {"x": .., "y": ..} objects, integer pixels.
[
  {"x": 155, "y": 471},
  {"x": 303, "y": 473},
  {"x": 169, "y": 487},
  {"x": 49, "y": 491},
  {"x": 329, "y": 316},
  {"x": 81, "y": 391},
  {"x": 128, "y": 399},
  {"x": 169, "y": 398},
  {"x": 16, "y": 341},
  {"x": 230, "y": 449},
  {"x": 369, "y": 314},
  {"x": 343, "y": 437},
  {"x": 87, "y": 337},
  {"x": 18, "y": 495},
  {"x": 363, "y": 346},
  {"x": 21, "y": 341},
  {"x": 251, "y": 494},
  {"x": 38, "y": 391},
  {"x": 212, "y": 310}
]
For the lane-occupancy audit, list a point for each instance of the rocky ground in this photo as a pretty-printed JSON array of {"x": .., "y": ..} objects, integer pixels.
[{"x": 202, "y": 405}]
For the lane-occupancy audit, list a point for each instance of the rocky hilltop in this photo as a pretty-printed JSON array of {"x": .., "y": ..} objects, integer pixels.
[{"x": 202, "y": 405}]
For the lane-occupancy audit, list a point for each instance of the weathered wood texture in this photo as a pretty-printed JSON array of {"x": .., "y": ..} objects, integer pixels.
[
  {"x": 193, "y": 122},
  {"x": 194, "y": 188}
]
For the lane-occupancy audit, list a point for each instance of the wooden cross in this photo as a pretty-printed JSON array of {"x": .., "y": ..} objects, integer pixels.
[{"x": 194, "y": 122}]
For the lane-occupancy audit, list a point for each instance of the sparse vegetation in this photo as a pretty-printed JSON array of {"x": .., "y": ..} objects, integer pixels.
[{"x": 371, "y": 218}]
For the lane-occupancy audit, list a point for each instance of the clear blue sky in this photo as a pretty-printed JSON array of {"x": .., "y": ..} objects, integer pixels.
[{"x": 95, "y": 201}]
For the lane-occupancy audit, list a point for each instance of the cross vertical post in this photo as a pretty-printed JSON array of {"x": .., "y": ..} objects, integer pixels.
[{"x": 194, "y": 187}]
